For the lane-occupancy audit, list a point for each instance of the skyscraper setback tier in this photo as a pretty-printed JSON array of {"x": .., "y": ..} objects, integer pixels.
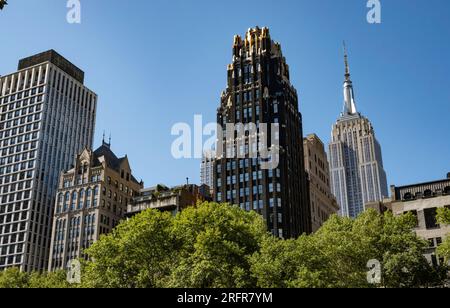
[
  {"x": 259, "y": 91},
  {"x": 47, "y": 116},
  {"x": 356, "y": 164}
]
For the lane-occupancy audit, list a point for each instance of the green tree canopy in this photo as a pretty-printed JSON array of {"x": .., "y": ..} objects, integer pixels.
[
  {"x": 205, "y": 246},
  {"x": 217, "y": 245},
  {"x": 443, "y": 216},
  {"x": 12, "y": 278},
  {"x": 337, "y": 255}
]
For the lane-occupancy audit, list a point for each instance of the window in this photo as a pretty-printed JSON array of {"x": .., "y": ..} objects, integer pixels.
[
  {"x": 81, "y": 200},
  {"x": 88, "y": 198},
  {"x": 428, "y": 193},
  {"x": 430, "y": 218},
  {"x": 66, "y": 202},
  {"x": 407, "y": 196},
  {"x": 96, "y": 194}
]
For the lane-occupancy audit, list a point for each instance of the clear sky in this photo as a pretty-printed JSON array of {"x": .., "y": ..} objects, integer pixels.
[{"x": 154, "y": 63}]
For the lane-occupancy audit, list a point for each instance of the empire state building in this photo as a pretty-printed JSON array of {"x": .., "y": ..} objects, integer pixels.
[{"x": 356, "y": 163}]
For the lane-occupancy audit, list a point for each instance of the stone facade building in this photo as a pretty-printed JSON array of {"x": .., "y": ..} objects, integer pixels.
[
  {"x": 323, "y": 203},
  {"x": 91, "y": 200},
  {"x": 423, "y": 200}
]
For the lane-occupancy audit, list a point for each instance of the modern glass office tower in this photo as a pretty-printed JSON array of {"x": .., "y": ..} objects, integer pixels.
[
  {"x": 259, "y": 92},
  {"x": 356, "y": 163},
  {"x": 47, "y": 116}
]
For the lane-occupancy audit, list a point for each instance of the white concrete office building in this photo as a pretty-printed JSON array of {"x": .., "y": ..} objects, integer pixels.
[{"x": 47, "y": 116}]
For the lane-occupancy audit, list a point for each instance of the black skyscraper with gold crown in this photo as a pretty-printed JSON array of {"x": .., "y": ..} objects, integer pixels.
[{"x": 259, "y": 91}]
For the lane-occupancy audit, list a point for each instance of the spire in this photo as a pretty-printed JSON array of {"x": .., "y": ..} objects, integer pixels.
[
  {"x": 349, "y": 95},
  {"x": 347, "y": 67},
  {"x": 104, "y": 143}
]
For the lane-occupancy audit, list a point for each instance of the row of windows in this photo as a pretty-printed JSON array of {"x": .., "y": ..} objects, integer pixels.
[
  {"x": 5, "y": 180},
  {"x": 19, "y": 96},
  {"x": 84, "y": 198},
  {"x": 12, "y": 228},
  {"x": 14, "y": 207},
  {"x": 20, "y": 139},
  {"x": 21, "y": 121},
  {"x": 18, "y": 158},
  {"x": 17, "y": 149},
  {"x": 22, "y": 80},
  {"x": 16, "y": 217},
  {"x": 18, "y": 131},
  {"x": 11, "y": 260},
  {"x": 18, "y": 167},
  {"x": 19, "y": 196},
  {"x": 11, "y": 249},
  {"x": 426, "y": 194},
  {"x": 245, "y": 177},
  {"x": 21, "y": 112}
]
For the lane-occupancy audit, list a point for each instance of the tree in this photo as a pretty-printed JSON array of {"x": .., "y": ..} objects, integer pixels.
[
  {"x": 337, "y": 255},
  {"x": 215, "y": 243},
  {"x": 205, "y": 246},
  {"x": 137, "y": 254},
  {"x": 52, "y": 280},
  {"x": 443, "y": 216},
  {"x": 13, "y": 278},
  {"x": 2, "y": 4}
]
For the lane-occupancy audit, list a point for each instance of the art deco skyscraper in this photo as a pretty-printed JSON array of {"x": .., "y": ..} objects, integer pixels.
[
  {"x": 259, "y": 92},
  {"x": 356, "y": 164},
  {"x": 47, "y": 116}
]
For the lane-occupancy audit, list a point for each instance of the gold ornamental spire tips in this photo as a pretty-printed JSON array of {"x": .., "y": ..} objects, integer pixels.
[{"x": 237, "y": 40}]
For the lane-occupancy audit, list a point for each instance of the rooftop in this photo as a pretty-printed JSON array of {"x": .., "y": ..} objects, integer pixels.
[{"x": 56, "y": 59}]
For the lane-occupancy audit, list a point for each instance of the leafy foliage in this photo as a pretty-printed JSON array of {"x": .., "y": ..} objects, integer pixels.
[
  {"x": 207, "y": 246},
  {"x": 337, "y": 255},
  {"x": 443, "y": 216},
  {"x": 12, "y": 278},
  {"x": 221, "y": 246}
]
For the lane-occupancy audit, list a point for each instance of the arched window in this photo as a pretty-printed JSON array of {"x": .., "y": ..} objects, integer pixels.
[
  {"x": 88, "y": 198},
  {"x": 66, "y": 201},
  {"x": 74, "y": 201},
  {"x": 407, "y": 196},
  {"x": 447, "y": 190},
  {"x": 60, "y": 203},
  {"x": 96, "y": 193},
  {"x": 81, "y": 200}
]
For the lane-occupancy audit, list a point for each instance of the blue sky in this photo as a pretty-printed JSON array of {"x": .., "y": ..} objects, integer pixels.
[{"x": 155, "y": 63}]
